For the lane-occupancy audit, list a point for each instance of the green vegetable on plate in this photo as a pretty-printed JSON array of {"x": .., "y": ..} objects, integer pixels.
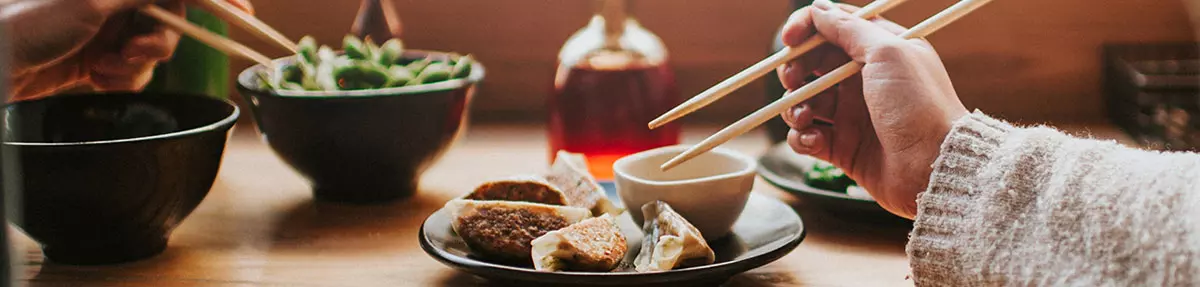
[{"x": 825, "y": 176}]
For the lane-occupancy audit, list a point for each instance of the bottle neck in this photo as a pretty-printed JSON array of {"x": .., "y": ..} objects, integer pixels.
[
  {"x": 615, "y": 14},
  {"x": 377, "y": 20}
]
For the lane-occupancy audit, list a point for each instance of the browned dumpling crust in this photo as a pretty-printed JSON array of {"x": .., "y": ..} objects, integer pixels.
[
  {"x": 502, "y": 231},
  {"x": 520, "y": 188},
  {"x": 595, "y": 245},
  {"x": 567, "y": 183}
]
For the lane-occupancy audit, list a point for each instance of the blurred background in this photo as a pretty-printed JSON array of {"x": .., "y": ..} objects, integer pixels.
[{"x": 1023, "y": 60}]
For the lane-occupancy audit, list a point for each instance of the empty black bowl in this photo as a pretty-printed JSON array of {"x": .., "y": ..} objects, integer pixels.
[
  {"x": 363, "y": 146},
  {"x": 106, "y": 177}
]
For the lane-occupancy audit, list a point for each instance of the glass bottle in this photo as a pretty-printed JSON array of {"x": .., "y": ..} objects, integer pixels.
[
  {"x": 612, "y": 79},
  {"x": 776, "y": 128},
  {"x": 377, "y": 21}
]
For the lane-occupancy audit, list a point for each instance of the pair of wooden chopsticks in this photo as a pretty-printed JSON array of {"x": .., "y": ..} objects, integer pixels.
[
  {"x": 231, "y": 14},
  {"x": 930, "y": 25}
]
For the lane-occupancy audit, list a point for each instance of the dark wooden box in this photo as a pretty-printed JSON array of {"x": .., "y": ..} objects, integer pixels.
[{"x": 1152, "y": 91}]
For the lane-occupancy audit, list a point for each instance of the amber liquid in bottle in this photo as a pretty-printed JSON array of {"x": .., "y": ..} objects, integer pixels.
[{"x": 612, "y": 80}]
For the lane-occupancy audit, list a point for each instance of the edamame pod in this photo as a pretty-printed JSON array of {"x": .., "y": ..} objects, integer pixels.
[
  {"x": 324, "y": 77},
  {"x": 419, "y": 65},
  {"x": 360, "y": 76},
  {"x": 354, "y": 48},
  {"x": 435, "y": 72},
  {"x": 462, "y": 69},
  {"x": 306, "y": 49},
  {"x": 389, "y": 52},
  {"x": 399, "y": 76},
  {"x": 292, "y": 86},
  {"x": 325, "y": 54}
]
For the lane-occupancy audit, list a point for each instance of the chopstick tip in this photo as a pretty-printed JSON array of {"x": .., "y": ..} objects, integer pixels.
[{"x": 672, "y": 163}]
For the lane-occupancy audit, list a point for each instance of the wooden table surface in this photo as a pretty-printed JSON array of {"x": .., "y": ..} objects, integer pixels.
[{"x": 259, "y": 227}]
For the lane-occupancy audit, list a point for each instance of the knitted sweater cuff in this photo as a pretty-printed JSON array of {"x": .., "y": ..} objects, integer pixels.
[{"x": 943, "y": 208}]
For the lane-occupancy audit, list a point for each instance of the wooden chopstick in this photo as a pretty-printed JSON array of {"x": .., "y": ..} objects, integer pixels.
[
  {"x": 238, "y": 17},
  {"x": 203, "y": 35},
  {"x": 951, "y": 14},
  {"x": 761, "y": 68}
]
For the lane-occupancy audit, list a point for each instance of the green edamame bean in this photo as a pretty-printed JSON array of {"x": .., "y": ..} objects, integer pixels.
[
  {"x": 354, "y": 48},
  {"x": 462, "y": 68},
  {"x": 325, "y": 54},
  {"x": 435, "y": 72},
  {"x": 371, "y": 48},
  {"x": 360, "y": 76},
  {"x": 324, "y": 77},
  {"x": 291, "y": 73},
  {"x": 292, "y": 86},
  {"x": 306, "y": 49},
  {"x": 419, "y": 65},
  {"x": 389, "y": 52},
  {"x": 399, "y": 76}
]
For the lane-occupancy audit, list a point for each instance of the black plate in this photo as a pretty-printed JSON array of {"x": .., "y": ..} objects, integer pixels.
[
  {"x": 783, "y": 168},
  {"x": 767, "y": 230}
]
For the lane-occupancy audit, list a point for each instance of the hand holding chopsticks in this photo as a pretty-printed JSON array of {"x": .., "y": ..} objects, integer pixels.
[
  {"x": 229, "y": 13},
  {"x": 828, "y": 80},
  {"x": 203, "y": 35},
  {"x": 761, "y": 68}
]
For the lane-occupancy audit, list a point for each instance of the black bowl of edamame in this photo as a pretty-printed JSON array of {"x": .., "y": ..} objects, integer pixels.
[{"x": 365, "y": 139}]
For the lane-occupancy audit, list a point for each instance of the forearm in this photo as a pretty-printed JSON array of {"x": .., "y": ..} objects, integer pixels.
[{"x": 1032, "y": 206}]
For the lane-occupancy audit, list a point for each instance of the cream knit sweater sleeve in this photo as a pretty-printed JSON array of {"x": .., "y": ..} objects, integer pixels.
[{"x": 1035, "y": 207}]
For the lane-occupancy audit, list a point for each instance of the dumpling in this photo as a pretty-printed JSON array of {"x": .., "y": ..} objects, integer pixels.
[
  {"x": 595, "y": 244},
  {"x": 670, "y": 241},
  {"x": 567, "y": 183},
  {"x": 570, "y": 174},
  {"x": 502, "y": 230},
  {"x": 526, "y": 188}
]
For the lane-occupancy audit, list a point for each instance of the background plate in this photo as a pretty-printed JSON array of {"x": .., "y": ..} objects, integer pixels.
[{"x": 783, "y": 168}]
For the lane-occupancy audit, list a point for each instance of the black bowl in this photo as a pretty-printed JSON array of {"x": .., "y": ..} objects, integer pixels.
[
  {"x": 106, "y": 177},
  {"x": 363, "y": 146}
]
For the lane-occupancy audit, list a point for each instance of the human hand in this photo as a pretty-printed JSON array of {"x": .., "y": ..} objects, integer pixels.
[
  {"x": 889, "y": 121},
  {"x": 104, "y": 44}
]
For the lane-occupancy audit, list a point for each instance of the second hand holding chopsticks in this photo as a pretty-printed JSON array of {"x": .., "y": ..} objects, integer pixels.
[
  {"x": 231, "y": 14},
  {"x": 958, "y": 10},
  {"x": 761, "y": 68},
  {"x": 209, "y": 38}
]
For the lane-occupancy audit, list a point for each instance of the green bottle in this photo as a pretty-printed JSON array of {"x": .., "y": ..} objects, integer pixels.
[{"x": 195, "y": 68}]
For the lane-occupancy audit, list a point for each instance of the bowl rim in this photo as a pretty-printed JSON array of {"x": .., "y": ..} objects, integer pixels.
[
  {"x": 751, "y": 166},
  {"x": 227, "y": 121},
  {"x": 477, "y": 74}
]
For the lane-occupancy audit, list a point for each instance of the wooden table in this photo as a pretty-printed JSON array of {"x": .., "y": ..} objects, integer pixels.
[{"x": 259, "y": 227}]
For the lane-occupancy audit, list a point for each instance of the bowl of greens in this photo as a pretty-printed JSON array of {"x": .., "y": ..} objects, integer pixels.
[{"x": 363, "y": 123}]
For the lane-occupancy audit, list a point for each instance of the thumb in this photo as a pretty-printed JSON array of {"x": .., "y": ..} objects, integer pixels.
[{"x": 854, "y": 35}]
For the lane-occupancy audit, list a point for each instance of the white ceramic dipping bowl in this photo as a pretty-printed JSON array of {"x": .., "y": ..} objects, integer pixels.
[{"x": 709, "y": 190}]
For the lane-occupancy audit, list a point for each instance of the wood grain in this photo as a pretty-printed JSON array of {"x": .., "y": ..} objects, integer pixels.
[{"x": 259, "y": 227}]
